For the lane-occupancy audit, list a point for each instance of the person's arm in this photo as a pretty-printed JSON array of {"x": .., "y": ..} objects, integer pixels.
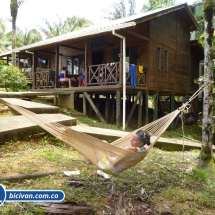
[{"x": 129, "y": 148}]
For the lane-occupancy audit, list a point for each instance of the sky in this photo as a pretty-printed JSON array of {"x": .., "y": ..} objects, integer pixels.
[{"x": 33, "y": 12}]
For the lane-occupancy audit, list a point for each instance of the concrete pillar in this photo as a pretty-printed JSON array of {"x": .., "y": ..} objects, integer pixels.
[{"x": 66, "y": 101}]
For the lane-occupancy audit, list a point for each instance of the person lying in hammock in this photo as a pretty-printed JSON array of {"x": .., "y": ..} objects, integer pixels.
[
  {"x": 113, "y": 164},
  {"x": 138, "y": 141}
]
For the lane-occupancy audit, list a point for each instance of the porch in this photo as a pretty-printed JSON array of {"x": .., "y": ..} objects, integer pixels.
[{"x": 95, "y": 75}]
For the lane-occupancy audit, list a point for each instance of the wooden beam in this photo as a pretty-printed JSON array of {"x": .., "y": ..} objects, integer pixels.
[
  {"x": 48, "y": 52},
  {"x": 133, "y": 108},
  {"x": 146, "y": 108},
  {"x": 155, "y": 112},
  {"x": 34, "y": 61},
  {"x": 94, "y": 107},
  {"x": 140, "y": 110},
  {"x": 73, "y": 47},
  {"x": 56, "y": 65},
  {"x": 84, "y": 105},
  {"x": 136, "y": 35},
  {"x": 102, "y": 42},
  {"x": 172, "y": 104},
  {"x": 161, "y": 106},
  {"x": 107, "y": 107}
]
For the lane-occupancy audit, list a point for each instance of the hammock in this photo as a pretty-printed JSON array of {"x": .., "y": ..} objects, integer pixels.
[{"x": 97, "y": 150}]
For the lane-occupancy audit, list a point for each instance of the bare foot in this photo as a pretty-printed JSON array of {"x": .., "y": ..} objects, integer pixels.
[{"x": 88, "y": 162}]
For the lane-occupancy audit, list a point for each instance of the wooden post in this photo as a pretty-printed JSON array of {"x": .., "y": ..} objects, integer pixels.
[
  {"x": 172, "y": 105},
  {"x": 155, "y": 112},
  {"x": 84, "y": 105},
  {"x": 90, "y": 109},
  {"x": 86, "y": 61},
  {"x": 66, "y": 100},
  {"x": 118, "y": 108},
  {"x": 112, "y": 109},
  {"x": 146, "y": 107},
  {"x": 55, "y": 100},
  {"x": 140, "y": 109},
  {"x": 56, "y": 65},
  {"x": 34, "y": 70},
  {"x": 107, "y": 107},
  {"x": 161, "y": 106}
]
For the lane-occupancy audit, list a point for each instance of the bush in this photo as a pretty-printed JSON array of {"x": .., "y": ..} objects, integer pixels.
[{"x": 12, "y": 77}]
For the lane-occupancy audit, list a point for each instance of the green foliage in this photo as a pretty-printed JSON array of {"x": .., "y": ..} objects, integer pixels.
[
  {"x": 119, "y": 10},
  {"x": 200, "y": 174},
  {"x": 25, "y": 37},
  {"x": 4, "y": 42},
  {"x": 155, "y": 4},
  {"x": 201, "y": 41},
  {"x": 62, "y": 27},
  {"x": 12, "y": 77}
]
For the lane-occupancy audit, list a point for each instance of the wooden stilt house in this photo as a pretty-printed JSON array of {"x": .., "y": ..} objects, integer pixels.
[{"x": 126, "y": 61}]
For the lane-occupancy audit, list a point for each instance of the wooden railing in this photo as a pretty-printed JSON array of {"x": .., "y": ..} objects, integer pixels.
[
  {"x": 29, "y": 73},
  {"x": 109, "y": 74},
  {"x": 96, "y": 75},
  {"x": 43, "y": 79},
  {"x": 103, "y": 74}
]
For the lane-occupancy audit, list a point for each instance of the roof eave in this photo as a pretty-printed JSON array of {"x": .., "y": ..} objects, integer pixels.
[
  {"x": 169, "y": 10},
  {"x": 73, "y": 35}
]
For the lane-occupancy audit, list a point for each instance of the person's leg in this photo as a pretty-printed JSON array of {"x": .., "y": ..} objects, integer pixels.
[
  {"x": 67, "y": 79},
  {"x": 70, "y": 82},
  {"x": 80, "y": 82},
  {"x": 83, "y": 82},
  {"x": 87, "y": 160}
]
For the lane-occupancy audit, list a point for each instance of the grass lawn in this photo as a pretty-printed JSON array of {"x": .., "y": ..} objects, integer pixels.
[{"x": 164, "y": 181}]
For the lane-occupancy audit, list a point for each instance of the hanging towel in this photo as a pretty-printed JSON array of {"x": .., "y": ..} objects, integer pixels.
[
  {"x": 127, "y": 67},
  {"x": 133, "y": 68},
  {"x": 140, "y": 69}
]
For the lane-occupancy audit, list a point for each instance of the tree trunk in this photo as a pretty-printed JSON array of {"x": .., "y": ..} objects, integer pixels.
[
  {"x": 13, "y": 11},
  {"x": 206, "y": 150}
]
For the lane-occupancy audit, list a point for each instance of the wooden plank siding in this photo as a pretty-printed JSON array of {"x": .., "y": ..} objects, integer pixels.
[{"x": 169, "y": 33}]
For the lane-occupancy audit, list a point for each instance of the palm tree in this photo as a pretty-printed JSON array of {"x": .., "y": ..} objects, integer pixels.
[
  {"x": 4, "y": 41},
  {"x": 26, "y": 37},
  {"x": 62, "y": 27},
  {"x": 14, "y": 5}
]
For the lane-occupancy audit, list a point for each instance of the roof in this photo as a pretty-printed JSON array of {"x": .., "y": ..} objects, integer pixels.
[{"x": 118, "y": 24}]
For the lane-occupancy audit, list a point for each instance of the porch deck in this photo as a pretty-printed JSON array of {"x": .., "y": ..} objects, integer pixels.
[{"x": 101, "y": 75}]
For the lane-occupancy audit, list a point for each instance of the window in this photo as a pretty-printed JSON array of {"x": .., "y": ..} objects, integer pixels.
[
  {"x": 158, "y": 58},
  {"x": 44, "y": 63},
  {"x": 166, "y": 60}
]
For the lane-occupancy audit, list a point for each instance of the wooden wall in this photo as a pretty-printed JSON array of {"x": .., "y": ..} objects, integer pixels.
[{"x": 170, "y": 33}]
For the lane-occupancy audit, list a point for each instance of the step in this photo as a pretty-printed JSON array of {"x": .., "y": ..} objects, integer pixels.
[
  {"x": 19, "y": 127},
  {"x": 162, "y": 143},
  {"x": 32, "y": 106}
]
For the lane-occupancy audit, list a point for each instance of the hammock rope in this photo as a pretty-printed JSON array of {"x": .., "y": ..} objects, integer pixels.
[{"x": 95, "y": 149}]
